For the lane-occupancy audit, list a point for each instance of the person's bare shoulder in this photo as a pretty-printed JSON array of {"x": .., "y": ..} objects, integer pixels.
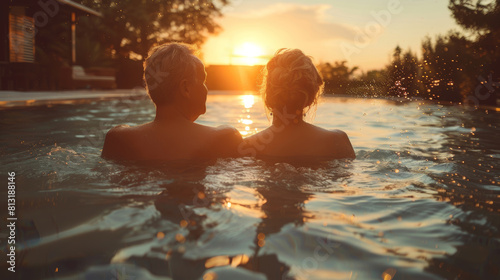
[
  {"x": 226, "y": 140},
  {"x": 251, "y": 145},
  {"x": 116, "y": 143},
  {"x": 342, "y": 146}
]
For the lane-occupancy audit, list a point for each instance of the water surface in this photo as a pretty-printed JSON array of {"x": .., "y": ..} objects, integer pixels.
[{"x": 421, "y": 201}]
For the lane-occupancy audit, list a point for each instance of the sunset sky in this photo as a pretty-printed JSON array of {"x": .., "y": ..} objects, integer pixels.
[{"x": 362, "y": 32}]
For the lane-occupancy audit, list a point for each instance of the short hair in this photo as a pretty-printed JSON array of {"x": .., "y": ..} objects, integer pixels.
[
  {"x": 165, "y": 67},
  {"x": 291, "y": 81}
]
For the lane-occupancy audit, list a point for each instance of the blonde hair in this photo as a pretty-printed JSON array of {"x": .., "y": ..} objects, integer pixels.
[
  {"x": 291, "y": 82},
  {"x": 165, "y": 67}
]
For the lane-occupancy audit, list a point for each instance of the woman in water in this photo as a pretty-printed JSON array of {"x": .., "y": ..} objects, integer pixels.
[{"x": 290, "y": 87}]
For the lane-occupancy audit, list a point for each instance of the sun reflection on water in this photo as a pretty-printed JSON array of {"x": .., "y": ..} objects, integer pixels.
[{"x": 248, "y": 101}]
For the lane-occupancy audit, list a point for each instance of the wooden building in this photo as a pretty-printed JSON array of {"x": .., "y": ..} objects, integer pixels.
[{"x": 20, "y": 21}]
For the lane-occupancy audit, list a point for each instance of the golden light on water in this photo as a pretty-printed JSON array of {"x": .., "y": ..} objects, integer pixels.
[
  {"x": 248, "y": 101},
  {"x": 261, "y": 239},
  {"x": 389, "y": 274},
  {"x": 217, "y": 261},
  {"x": 201, "y": 195},
  {"x": 239, "y": 259},
  {"x": 210, "y": 276},
  {"x": 180, "y": 238}
]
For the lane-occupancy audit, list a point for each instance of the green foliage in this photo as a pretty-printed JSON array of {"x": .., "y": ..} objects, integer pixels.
[
  {"x": 402, "y": 74},
  {"x": 336, "y": 77},
  {"x": 137, "y": 25},
  {"x": 53, "y": 41},
  {"x": 453, "y": 67},
  {"x": 370, "y": 84},
  {"x": 481, "y": 55},
  {"x": 448, "y": 68},
  {"x": 478, "y": 16},
  {"x": 89, "y": 51}
]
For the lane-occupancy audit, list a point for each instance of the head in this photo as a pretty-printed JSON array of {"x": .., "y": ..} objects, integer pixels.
[
  {"x": 175, "y": 76},
  {"x": 291, "y": 82}
]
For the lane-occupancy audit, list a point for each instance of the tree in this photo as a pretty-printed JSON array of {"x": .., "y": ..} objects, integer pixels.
[
  {"x": 91, "y": 52},
  {"x": 129, "y": 28},
  {"x": 137, "y": 25},
  {"x": 480, "y": 19},
  {"x": 476, "y": 16},
  {"x": 336, "y": 77},
  {"x": 449, "y": 68},
  {"x": 402, "y": 74},
  {"x": 371, "y": 83}
]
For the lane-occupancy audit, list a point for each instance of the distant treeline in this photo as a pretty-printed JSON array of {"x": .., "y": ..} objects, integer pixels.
[
  {"x": 454, "y": 67},
  {"x": 233, "y": 77}
]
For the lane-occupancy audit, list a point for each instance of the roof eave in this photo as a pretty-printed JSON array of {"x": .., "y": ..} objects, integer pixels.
[{"x": 81, "y": 7}]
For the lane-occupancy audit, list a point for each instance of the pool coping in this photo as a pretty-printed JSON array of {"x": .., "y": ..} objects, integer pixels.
[
  {"x": 13, "y": 99},
  {"x": 19, "y": 99}
]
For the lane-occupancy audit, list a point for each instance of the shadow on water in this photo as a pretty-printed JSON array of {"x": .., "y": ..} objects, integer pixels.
[
  {"x": 202, "y": 238},
  {"x": 91, "y": 232},
  {"x": 277, "y": 212},
  {"x": 183, "y": 203}
]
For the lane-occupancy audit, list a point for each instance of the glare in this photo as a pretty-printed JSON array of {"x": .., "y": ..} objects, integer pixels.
[
  {"x": 249, "y": 50},
  {"x": 217, "y": 261},
  {"x": 248, "y": 53},
  {"x": 248, "y": 100}
]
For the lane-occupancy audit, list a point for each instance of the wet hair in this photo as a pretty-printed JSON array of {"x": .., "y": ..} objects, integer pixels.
[
  {"x": 291, "y": 82},
  {"x": 165, "y": 68}
]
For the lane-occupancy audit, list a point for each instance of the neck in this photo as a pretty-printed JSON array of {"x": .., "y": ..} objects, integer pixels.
[
  {"x": 169, "y": 114},
  {"x": 286, "y": 119}
]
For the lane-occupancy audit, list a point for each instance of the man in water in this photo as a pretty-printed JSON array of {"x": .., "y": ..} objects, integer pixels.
[{"x": 175, "y": 82}]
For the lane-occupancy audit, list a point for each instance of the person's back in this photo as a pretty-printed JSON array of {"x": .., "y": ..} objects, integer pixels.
[
  {"x": 290, "y": 87},
  {"x": 170, "y": 142},
  {"x": 303, "y": 140},
  {"x": 175, "y": 81}
]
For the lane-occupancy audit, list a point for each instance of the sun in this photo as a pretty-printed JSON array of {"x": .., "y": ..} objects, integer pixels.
[
  {"x": 248, "y": 50},
  {"x": 248, "y": 54}
]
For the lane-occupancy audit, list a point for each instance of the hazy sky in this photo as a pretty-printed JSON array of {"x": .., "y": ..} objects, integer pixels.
[{"x": 362, "y": 32}]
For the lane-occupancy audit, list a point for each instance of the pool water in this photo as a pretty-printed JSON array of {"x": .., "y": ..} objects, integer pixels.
[{"x": 421, "y": 201}]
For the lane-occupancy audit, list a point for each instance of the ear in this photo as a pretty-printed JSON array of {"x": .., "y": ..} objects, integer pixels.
[{"x": 184, "y": 88}]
